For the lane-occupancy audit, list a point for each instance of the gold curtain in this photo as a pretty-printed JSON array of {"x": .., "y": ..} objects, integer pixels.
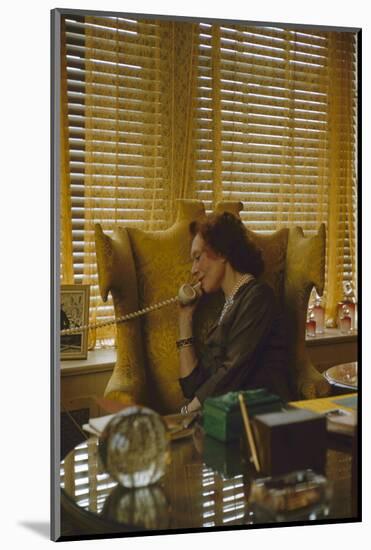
[
  {"x": 65, "y": 184},
  {"x": 90, "y": 203},
  {"x": 341, "y": 136},
  {"x": 177, "y": 64}
]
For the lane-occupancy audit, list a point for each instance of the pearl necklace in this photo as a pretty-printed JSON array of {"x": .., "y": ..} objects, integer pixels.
[{"x": 230, "y": 299}]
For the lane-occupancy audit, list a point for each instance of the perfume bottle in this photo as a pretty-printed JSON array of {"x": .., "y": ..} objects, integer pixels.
[
  {"x": 311, "y": 324},
  {"x": 345, "y": 320},
  {"x": 348, "y": 301},
  {"x": 319, "y": 316}
]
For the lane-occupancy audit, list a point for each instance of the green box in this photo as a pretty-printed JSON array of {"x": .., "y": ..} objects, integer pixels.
[{"x": 222, "y": 415}]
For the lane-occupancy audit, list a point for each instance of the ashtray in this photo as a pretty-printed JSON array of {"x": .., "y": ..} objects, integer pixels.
[
  {"x": 300, "y": 495},
  {"x": 344, "y": 375}
]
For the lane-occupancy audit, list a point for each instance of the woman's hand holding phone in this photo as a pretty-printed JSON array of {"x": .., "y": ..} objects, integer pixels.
[{"x": 189, "y": 297}]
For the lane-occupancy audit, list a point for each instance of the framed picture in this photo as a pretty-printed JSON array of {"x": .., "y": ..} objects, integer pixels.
[
  {"x": 74, "y": 313},
  {"x": 160, "y": 121}
]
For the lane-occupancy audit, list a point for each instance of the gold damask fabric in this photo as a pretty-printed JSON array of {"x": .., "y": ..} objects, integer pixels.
[
  {"x": 162, "y": 263},
  {"x": 305, "y": 267},
  {"x": 117, "y": 274}
]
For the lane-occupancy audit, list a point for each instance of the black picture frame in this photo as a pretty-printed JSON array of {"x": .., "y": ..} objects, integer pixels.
[{"x": 74, "y": 314}]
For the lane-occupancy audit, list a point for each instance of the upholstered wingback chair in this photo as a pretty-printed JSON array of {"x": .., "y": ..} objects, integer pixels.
[{"x": 141, "y": 268}]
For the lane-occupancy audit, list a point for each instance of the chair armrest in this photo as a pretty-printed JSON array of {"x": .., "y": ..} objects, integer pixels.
[
  {"x": 121, "y": 396},
  {"x": 312, "y": 384}
]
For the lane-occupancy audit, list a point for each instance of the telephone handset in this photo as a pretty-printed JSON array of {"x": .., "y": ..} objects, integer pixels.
[{"x": 187, "y": 294}]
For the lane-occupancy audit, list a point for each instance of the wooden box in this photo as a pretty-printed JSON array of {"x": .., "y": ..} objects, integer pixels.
[{"x": 290, "y": 440}]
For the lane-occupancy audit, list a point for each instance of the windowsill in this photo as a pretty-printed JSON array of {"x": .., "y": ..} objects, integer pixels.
[
  {"x": 102, "y": 360},
  {"x": 331, "y": 336},
  {"x": 99, "y": 360}
]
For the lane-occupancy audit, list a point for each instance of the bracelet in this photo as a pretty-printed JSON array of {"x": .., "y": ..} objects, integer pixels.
[
  {"x": 185, "y": 342},
  {"x": 184, "y": 410}
]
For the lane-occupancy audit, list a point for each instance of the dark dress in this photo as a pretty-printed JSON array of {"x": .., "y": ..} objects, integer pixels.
[{"x": 246, "y": 350}]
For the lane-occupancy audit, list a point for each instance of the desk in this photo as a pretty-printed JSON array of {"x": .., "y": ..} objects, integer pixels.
[{"x": 197, "y": 491}]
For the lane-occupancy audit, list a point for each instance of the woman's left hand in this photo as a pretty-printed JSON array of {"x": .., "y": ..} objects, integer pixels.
[{"x": 194, "y": 405}]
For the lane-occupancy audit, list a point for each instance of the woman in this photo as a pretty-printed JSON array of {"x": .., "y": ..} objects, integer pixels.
[{"x": 245, "y": 348}]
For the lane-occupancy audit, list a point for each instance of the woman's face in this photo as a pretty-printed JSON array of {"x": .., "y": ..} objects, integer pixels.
[{"x": 208, "y": 267}]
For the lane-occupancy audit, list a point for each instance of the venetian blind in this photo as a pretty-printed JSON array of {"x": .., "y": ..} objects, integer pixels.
[
  {"x": 114, "y": 134},
  {"x": 265, "y": 127}
]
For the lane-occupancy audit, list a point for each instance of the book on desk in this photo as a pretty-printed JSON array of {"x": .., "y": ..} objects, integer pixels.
[
  {"x": 178, "y": 426},
  {"x": 340, "y": 411}
]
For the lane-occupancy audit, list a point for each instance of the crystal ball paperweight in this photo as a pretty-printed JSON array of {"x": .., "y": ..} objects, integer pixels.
[{"x": 134, "y": 447}]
